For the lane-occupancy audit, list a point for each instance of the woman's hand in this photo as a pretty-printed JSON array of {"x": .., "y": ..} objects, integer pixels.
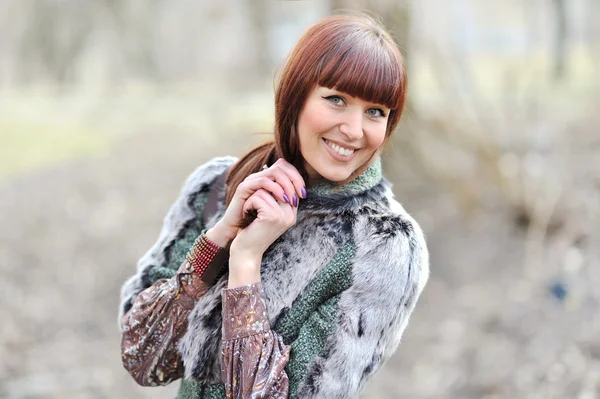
[
  {"x": 282, "y": 180},
  {"x": 273, "y": 218}
]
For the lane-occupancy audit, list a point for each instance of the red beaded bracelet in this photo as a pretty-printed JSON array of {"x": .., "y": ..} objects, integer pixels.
[
  {"x": 202, "y": 253},
  {"x": 208, "y": 259}
]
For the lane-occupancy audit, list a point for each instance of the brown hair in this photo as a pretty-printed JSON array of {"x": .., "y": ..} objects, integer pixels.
[{"x": 353, "y": 54}]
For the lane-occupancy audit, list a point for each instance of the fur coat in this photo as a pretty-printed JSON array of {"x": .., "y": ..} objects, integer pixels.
[{"x": 340, "y": 284}]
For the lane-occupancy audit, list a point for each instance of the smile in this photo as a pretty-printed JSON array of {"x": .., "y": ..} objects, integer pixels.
[{"x": 340, "y": 150}]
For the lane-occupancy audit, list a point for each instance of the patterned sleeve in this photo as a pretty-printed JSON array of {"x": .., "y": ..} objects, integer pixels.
[
  {"x": 158, "y": 319},
  {"x": 254, "y": 356}
]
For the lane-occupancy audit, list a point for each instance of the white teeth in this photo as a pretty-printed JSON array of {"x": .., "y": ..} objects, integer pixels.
[{"x": 339, "y": 150}]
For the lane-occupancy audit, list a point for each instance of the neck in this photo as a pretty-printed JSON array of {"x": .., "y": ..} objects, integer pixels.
[
  {"x": 369, "y": 178},
  {"x": 314, "y": 178}
]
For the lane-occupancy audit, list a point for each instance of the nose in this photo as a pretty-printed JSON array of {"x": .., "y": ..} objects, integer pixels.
[{"x": 352, "y": 125}]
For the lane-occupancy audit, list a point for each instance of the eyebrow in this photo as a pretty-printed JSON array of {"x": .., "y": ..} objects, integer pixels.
[{"x": 347, "y": 94}]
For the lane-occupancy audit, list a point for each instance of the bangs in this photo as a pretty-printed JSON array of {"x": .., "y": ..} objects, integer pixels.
[{"x": 364, "y": 67}]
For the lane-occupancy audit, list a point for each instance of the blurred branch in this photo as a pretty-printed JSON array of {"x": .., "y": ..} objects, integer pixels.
[
  {"x": 516, "y": 170},
  {"x": 259, "y": 17},
  {"x": 560, "y": 38},
  {"x": 136, "y": 32},
  {"x": 53, "y": 40}
]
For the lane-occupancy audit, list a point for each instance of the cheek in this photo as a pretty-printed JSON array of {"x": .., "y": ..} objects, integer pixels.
[
  {"x": 376, "y": 137},
  {"x": 313, "y": 121}
]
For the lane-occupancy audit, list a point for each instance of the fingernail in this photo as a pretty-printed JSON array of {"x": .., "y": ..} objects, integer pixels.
[
  {"x": 303, "y": 192},
  {"x": 295, "y": 198},
  {"x": 286, "y": 199}
]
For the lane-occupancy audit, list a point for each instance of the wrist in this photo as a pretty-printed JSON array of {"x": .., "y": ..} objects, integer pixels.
[
  {"x": 244, "y": 260},
  {"x": 221, "y": 235},
  {"x": 244, "y": 269}
]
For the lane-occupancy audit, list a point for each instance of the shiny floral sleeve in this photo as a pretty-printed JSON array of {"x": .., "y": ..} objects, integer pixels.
[
  {"x": 156, "y": 323},
  {"x": 158, "y": 318},
  {"x": 254, "y": 356}
]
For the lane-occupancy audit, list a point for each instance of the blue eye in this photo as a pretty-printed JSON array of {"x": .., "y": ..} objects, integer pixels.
[
  {"x": 336, "y": 100},
  {"x": 378, "y": 112}
]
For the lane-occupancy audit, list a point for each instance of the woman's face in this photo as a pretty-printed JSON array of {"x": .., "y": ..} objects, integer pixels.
[{"x": 338, "y": 133}]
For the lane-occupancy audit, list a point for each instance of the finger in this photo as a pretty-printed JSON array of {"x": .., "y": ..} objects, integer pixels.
[
  {"x": 290, "y": 213},
  {"x": 284, "y": 181},
  {"x": 275, "y": 207},
  {"x": 283, "y": 214},
  {"x": 294, "y": 176},
  {"x": 278, "y": 175},
  {"x": 285, "y": 211},
  {"x": 253, "y": 207},
  {"x": 249, "y": 187},
  {"x": 264, "y": 203},
  {"x": 289, "y": 178}
]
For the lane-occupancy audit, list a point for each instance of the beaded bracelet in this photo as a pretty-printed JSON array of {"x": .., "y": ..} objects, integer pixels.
[{"x": 207, "y": 258}]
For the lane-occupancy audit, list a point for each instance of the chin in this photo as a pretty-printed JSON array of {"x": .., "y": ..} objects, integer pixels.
[{"x": 336, "y": 176}]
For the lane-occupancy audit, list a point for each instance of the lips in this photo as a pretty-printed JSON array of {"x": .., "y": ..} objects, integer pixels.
[
  {"x": 345, "y": 151},
  {"x": 334, "y": 150}
]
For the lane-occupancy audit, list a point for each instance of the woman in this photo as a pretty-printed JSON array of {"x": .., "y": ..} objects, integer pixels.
[{"x": 301, "y": 282}]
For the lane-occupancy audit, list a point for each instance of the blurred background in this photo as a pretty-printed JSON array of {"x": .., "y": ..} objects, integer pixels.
[{"x": 107, "y": 105}]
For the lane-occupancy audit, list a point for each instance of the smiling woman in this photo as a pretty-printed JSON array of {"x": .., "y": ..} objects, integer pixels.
[
  {"x": 351, "y": 56},
  {"x": 290, "y": 272}
]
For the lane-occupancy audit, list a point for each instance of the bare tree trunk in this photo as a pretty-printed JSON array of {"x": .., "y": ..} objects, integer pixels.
[
  {"x": 53, "y": 40},
  {"x": 259, "y": 15},
  {"x": 137, "y": 32},
  {"x": 560, "y": 40}
]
